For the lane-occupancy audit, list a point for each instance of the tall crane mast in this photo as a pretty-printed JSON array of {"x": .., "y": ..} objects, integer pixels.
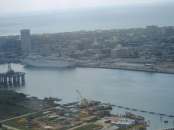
[
  {"x": 83, "y": 101},
  {"x": 78, "y": 92},
  {"x": 83, "y": 106}
]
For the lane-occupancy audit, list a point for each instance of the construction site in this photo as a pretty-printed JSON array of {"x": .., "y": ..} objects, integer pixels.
[{"x": 83, "y": 115}]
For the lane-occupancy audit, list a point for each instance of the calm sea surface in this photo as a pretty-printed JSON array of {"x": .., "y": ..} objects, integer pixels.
[{"x": 147, "y": 91}]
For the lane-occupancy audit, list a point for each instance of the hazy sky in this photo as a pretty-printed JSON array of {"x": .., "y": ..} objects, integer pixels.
[
  {"x": 72, "y": 15},
  {"x": 21, "y": 6}
]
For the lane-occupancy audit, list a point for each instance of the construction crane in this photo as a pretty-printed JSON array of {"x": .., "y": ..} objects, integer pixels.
[
  {"x": 83, "y": 101},
  {"x": 83, "y": 105},
  {"x": 78, "y": 92}
]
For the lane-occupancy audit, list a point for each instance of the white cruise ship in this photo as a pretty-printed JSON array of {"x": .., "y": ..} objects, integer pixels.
[{"x": 48, "y": 62}]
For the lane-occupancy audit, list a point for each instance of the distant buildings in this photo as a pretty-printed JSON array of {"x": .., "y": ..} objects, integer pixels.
[
  {"x": 25, "y": 41},
  {"x": 152, "y": 44},
  {"x": 124, "y": 52}
]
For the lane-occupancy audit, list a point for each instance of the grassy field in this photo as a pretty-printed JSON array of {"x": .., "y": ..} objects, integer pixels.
[
  {"x": 9, "y": 111},
  {"x": 9, "y": 104}
]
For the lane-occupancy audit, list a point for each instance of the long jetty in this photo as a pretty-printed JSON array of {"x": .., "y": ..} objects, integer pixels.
[
  {"x": 12, "y": 79},
  {"x": 143, "y": 111},
  {"x": 169, "y": 129}
]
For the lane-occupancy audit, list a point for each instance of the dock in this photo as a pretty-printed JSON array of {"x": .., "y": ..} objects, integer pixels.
[
  {"x": 144, "y": 111},
  {"x": 12, "y": 78},
  {"x": 169, "y": 129}
]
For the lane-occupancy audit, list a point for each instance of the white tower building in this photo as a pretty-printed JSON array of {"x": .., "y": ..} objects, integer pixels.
[{"x": 25, "y": 41}]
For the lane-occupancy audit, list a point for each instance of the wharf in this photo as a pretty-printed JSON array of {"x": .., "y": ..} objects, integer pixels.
[
  {"x": 12, "y": 78},
  {"x": 143, "y": 111}
]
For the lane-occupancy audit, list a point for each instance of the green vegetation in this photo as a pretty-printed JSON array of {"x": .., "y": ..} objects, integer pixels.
[
  {"x": 89, "y": 127},
  {"x": 9, "y": 104},
  {"x": 11, "y": 97},
  {"x": 18, "y": 123},
  {"x": 136, "y": 127}
]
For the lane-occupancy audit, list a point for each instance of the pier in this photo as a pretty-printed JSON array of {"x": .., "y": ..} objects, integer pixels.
[
  {"x": 12, "y": 78},
  {"x": 144, "y": 111}
]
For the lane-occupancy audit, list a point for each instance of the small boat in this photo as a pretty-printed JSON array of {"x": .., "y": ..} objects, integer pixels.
[
  {"x": 119, "y": 106},
  {"x": 152, "y": 113},
  {"x": 171, "y": 116},
  {"x": 133, "y": 109},
  {"x": 143, "y": 111},
  {"x": 166, "y": 121},
  {"x": 127, "y": 108}
]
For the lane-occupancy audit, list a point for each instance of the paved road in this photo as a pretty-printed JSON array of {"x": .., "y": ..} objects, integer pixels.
[
  {"x": 25, "y": 115},
  {"x": 78, "y": 126},
  {"x": 9, "y": 127}
]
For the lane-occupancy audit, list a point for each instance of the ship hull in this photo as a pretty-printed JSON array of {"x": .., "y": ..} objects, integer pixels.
[{"x": 48, "y": 63}]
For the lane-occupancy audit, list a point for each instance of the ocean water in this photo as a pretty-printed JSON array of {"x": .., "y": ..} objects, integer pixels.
[
  {"x": 147, "y": 91},
  {"x": 142, "y": 90}
]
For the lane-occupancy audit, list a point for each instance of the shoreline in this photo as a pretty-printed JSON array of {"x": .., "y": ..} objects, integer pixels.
[
  {"x": 165, "y": 68},
  {"x": 132, "y": 69},
  {"x": 118, "y": 67}
]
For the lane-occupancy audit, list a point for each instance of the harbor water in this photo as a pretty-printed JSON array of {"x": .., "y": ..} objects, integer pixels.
[{"x": 142, "y": 90}]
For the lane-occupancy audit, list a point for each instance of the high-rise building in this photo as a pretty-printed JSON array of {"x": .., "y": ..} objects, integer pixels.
[{"x": 25, "y": 41}]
